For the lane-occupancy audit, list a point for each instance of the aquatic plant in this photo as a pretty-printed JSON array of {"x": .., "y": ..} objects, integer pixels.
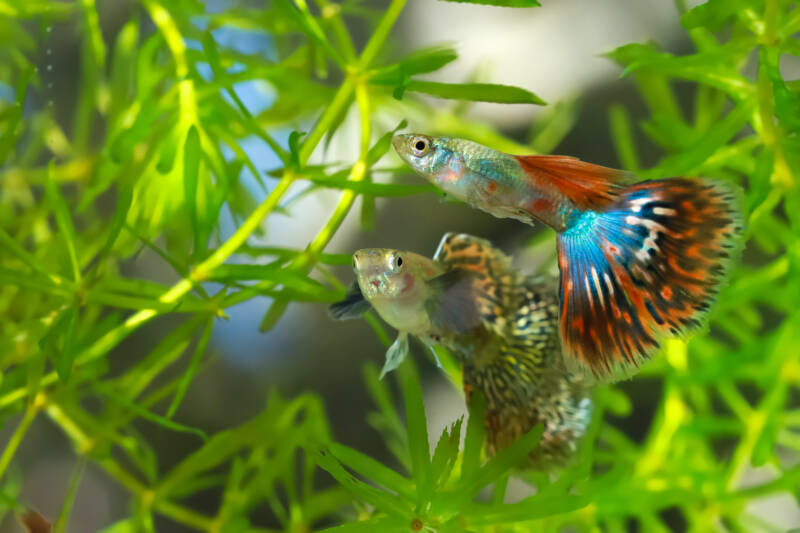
[{"x": 157, "y": 128}]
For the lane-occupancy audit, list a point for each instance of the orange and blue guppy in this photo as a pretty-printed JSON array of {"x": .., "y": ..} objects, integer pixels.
[{"x": 638, "y": 261}]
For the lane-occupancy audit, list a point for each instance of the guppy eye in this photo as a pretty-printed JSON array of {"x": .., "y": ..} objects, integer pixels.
[
  {"x": 420, "y": 146},
  {"x": 395, "y": 262}
]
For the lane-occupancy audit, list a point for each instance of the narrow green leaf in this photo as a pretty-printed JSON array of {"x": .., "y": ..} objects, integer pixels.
[
  {"x": 622, "y": 135},
  {"x": 59, "y": 341},
  {"x": 294, "y": 148},
  {"x": 69, "y": 498},
  {"x": 382, "y": 145},
  {"x": 385, "y": 523},
  {"x": 123, "y": 67},
  {"x": 384, "y": 501},
  {"x": 12, "y": 130},
  {"x": 418, "y": 62},
  {"x": 787, "y": 102},
  {"x": 498, "y": 465},
  {"x": 124, "y": 202},
  {"x": 546, "y": 134},
  {"x": 371, "y": 469},
  {"x": 416, "y": 425},
  {"x": 446, "y": 453},
  {"x": 11, "y": 245},
  {"x": 191, "y": 371},
  {"x": 473, "y": 441},
  {"x": 191, "y": 172},
  {"x": 298, "y": 11},
  {"x": 715, "y": 67},
  {"x": 475, "y": 92},
  {"x": 500, "y": 3},
  {"x": 711, "y": 14},
  {"x": 387, "y": 190},
  {"x": 532, "y": 508},
  {"x": 223, "y": 445},
  {"x": 121, "y": 399},
  {"x": 276, "y": 274},
  {"x": 712, "y": 140},
  {"x": 63, "y": 220},
  {"x": 166, "y": 352}
]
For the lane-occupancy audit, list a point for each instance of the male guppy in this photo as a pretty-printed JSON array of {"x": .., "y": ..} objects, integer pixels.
[
  {"x": 638, "y": 261},
  {"x": 500, "y": 325}
]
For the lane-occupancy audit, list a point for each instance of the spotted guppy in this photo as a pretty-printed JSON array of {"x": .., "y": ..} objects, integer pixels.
[{"x": 502, "y": 326}]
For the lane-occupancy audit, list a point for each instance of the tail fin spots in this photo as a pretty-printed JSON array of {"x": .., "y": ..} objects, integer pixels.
[{"x": 647, "y": 267}]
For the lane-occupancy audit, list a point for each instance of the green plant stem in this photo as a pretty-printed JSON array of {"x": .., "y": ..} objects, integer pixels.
[
  {"x": 770, "y": 132},
  {"x": 201, "y": 272},
  {"x": 186, "y": 94},
  {"x": 305, "y": 262},
  {"x": 69, "y": 500},
  {"x": 378, "y": 38},
  {"x": 326, "y": 120},
  {"x": 16, "y": 438},
  {"x": 332, "y": 12}
]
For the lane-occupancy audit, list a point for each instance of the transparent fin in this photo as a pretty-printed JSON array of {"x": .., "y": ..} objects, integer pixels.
[{"x": 396, "y": 353}]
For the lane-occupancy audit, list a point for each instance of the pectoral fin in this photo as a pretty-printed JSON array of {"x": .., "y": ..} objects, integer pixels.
[
  {"x": 396, "y": 353},
  {"x": 353, "y": 306},
  {"x": 454, "y": 306}
]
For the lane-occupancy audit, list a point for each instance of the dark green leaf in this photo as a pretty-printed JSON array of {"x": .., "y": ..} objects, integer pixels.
[
  {"x": 445, "y": 454},
  {"x": 416, "y": 425},
  {"x": 711, "y": 140},
  {"x": 382, "y": 500},
  {"x": 191, "y": 371},
  {"x": 473, "y": 441},
  {"x": 715, "y": 67},
  {"x": 501, "y": 3},
  {"x": 63, "y": 219},
  {"x": 62, "y": 339},
  {"x": 787, "y": 102},
  {"x": 418, "y": 62},
  {"x": 622, "y": 135},
  {"x": 294, "y": 147},
  {"x": 475, "y": 92},
  {"x": 711, "y": 14},
  {"x": 123, "y": 67},
  {"x": 371, "y": 469}
]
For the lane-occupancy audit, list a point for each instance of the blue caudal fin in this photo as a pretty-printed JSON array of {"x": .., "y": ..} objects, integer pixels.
[{"x": 647, "y": 267}]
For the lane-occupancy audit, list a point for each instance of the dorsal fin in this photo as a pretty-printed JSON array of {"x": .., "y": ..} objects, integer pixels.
[
  {"x": 492, "y": 279},
  {"x": 586, "y": 185}
]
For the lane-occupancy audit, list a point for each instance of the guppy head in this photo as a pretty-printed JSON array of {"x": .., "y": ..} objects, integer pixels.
[
  {"x": 433, "y": 157},
  {"x": 470, "y": 172},
  {"x": 393, "y": 281}
]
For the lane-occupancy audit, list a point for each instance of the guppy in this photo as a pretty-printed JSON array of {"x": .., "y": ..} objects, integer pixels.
[
  {"x": 638, "y": 261},
  {"x": 500, "y": 325}
]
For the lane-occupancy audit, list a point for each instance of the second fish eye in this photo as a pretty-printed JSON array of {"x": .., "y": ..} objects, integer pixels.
[
  {"x": 399, "y": 261},
  {"x": 419, "y": 145}
]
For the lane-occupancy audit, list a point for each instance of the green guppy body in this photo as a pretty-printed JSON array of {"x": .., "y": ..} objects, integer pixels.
[
  {"x": 502, "y": 327},
  {"x": 481, "y": 176}
]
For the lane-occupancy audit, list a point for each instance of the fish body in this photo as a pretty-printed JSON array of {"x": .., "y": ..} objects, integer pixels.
[
  {"x": 501, "y": 326},
  {"x": 638, "y": 261}
]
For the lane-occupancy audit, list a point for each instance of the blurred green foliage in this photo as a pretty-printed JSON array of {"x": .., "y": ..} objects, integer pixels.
[{"x": 157, "y": 127}]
